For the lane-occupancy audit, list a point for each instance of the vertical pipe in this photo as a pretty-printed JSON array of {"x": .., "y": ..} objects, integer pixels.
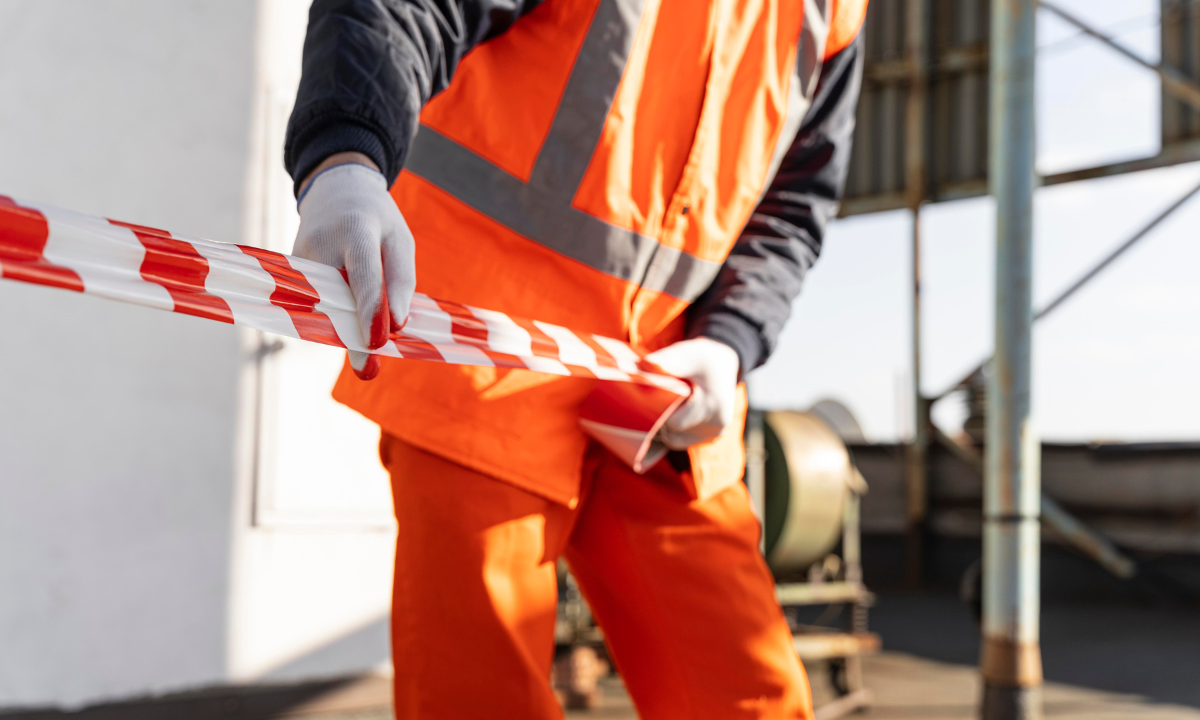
[
  {"x": 915, "y": 181},
  {"x": 1010, "y": 662},
  {"x": 756, "y": 472},
  {"x": 852, "y": 557},
  {"x": 916, "y": 482},
  {"x": 852, "y": 560}
]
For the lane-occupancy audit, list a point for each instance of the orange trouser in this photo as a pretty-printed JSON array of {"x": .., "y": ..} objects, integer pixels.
[{"x": 683, "y": 596}]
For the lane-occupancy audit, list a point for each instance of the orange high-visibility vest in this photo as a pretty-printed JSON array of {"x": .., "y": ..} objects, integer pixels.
[{"x": 592, "y": 167}]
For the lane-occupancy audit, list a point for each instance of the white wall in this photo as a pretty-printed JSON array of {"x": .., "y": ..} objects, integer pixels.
[
  {"x": 312, "y": 565},
  {"x": 135, "y": 444}
]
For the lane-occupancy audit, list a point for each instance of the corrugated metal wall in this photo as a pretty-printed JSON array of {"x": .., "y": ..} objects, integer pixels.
[
  {"x": 958, "y": 98},
  {"x": 877, "y": 163},
  {"x": 956, "y": 60},
  {"x": 955, "y": 57}
]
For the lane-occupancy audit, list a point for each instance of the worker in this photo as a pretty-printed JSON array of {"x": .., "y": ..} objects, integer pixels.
[{"x": 659, "y": 171}]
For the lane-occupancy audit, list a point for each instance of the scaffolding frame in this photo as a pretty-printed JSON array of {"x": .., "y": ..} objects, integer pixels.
[{"x": 905, "y": 101}]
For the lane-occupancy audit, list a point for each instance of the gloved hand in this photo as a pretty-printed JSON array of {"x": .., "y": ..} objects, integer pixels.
[
  {"x": 348, "y": 220},
  {"x": 712, "y": 369}
]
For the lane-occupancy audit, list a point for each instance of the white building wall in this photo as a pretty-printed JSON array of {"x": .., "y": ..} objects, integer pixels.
[
  {"x": 312, "y": 562},
  {"x": 177, "y": 507}
]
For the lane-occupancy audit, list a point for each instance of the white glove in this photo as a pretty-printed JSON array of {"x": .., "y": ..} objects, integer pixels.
[
  {"x": 348, "y": 220},
  {"x": 712, "y": 369}
]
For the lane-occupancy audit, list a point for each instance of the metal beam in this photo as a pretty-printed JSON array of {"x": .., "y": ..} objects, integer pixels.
[
  {"x": 1173, "y": 80},
  {"x": 1082, "y": 538},
  {"x": 1112, "y": 257},
  {"x": 822, "y": 593},
  {"x": 1176, "y": 154},
  {"x": 1011, "y": 658},
  {"x": 1171, "y": 155}
]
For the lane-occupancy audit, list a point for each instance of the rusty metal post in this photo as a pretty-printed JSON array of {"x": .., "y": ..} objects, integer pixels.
[
  {"x": 916, "y": 471},
  {"x": 756, "y": 472},
  {"x": 915, "y": 151},
  {"x": 852, "y": 561},
  {"x": 1010, "y": 662}
]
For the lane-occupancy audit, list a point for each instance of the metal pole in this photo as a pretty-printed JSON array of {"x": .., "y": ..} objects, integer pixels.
[
  {"x": 1011, "y": 662},
  {"x": 917, "y": 453},
  {"x": 756, "y": 471},
  {"x": 916, "y": 470}
]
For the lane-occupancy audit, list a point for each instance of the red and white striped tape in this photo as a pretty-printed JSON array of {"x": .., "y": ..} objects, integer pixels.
[
  {"x": 298, "y": 298},
  {"x": 284, "y": 295}
]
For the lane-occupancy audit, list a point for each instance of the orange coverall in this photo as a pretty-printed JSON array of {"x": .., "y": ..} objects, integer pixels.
[{"x": 678, "y": 585}]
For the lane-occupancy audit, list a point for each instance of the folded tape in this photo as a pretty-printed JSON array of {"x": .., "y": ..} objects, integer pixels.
[{"x": 298, "y": 298}]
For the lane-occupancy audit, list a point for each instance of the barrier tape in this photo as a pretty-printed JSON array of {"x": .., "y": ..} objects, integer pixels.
[{"x": 298, "y": 298}]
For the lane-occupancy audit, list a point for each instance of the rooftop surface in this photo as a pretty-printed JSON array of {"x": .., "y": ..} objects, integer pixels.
[{"x": 1110, "y": 650}]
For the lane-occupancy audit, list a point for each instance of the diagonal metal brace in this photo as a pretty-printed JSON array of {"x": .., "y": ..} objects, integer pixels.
[
  {"x": 1174, "y": 81},
  {"x": 1070, "y": 528},
  {"x": 1084, "y": 279}
]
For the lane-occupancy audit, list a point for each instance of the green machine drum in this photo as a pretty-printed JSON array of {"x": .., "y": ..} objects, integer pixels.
[{"x": 809, "y": 475}]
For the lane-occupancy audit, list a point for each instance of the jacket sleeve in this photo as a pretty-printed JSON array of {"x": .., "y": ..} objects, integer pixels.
[
  {"x": 370, "y": 66},
  {"x": 751, "y": 297}
]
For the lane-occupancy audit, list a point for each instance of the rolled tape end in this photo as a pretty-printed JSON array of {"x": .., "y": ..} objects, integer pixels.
[{"x": 625, "y": 417}]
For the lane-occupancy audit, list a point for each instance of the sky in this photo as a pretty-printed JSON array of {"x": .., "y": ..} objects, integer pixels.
[{"x": 1120, "y": 361}]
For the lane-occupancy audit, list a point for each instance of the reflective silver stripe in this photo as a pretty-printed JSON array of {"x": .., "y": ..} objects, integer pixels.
[
  {"x": 540, "y": 215},
  {"x": 583, "y": 108},
  {"x": 680, "y": 274}
]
